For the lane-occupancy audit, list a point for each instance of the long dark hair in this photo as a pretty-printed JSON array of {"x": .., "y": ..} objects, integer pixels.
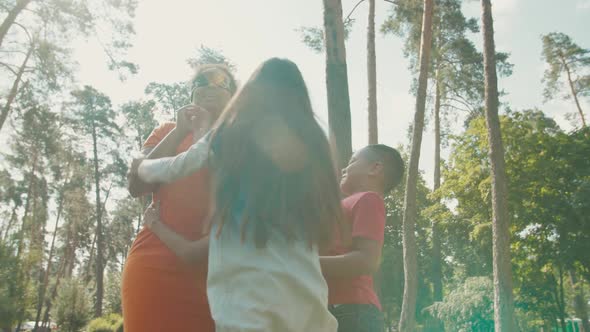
[{"x": 273, "y": 160}]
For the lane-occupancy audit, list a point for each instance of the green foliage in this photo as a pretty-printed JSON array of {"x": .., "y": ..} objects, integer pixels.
[
  {"x": 392, "y": 274},
  {"x": 113, "y": 304},
  {"x": 11, "y": 288},
  {"x": 139, "y": 116},
  {"x": 313, "y": 37},
  {"x": 548, "y": 174},
  {"x": 77, "y": 224},
  {"x": 208, "y": 55},
  {"x": 169, "y": 97},
  {"x": 99, "y": 325},
  {"x": 121, "y": 230},
  {"x": 31, "y": 148},
  {"x": 457, "y": 65},
  {"x": 94, "y": 120},
  {"x": 563, "y": 55},
  {"x": 469, "y": 307},
  {"x": 405, "y": 20},
  {"x": 109, "y": 323},
  {"x": 46, "y": 30},
  {"x": 93, "y": 109},
  {"x": 72, "y": 309}
]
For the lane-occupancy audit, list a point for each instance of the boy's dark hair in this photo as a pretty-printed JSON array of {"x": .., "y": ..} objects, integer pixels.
[{"x": 393, "y": 164}]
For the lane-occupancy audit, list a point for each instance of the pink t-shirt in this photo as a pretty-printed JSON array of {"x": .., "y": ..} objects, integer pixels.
[{"x": 364, "y": 214}]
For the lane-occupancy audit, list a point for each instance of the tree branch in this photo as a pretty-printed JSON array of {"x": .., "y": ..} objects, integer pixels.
[
  {"x": 7, "y": 66},
  {"x": 361, "y": 1},
  {"x": 469, "y": 107},
  {"x": 353, "y": 9},
  {"x": 455, "y": 94},
  {"x": 25, "y": 30},
  {"x": 450, "y": 61},
  {"x": 13, "y": 51},
  {"x": 104, "y": 48},
  {"x": 455, "y": 107}
]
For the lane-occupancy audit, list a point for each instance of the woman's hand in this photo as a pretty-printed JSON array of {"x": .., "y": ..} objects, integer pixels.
[{"x": 193, "y": 118}]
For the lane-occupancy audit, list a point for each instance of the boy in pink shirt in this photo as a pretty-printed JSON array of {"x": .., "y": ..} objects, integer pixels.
[{"x": 356, "y": 252}]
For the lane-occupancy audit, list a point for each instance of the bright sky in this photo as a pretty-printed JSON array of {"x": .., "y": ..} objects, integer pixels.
[{"x": 248, "y": 32}]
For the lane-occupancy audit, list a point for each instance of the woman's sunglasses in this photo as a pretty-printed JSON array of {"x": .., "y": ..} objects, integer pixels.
[{"x": 213, "y": 78}]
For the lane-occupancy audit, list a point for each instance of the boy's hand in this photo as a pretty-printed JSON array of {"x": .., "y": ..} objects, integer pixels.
[{"x": 151, "y": 216}]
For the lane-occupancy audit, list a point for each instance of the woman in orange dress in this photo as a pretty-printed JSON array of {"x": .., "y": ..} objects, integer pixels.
[{"x": 160, "y": 292}]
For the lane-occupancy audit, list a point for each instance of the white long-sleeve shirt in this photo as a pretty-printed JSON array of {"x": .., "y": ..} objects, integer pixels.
[{"x": 168, "y": 169}]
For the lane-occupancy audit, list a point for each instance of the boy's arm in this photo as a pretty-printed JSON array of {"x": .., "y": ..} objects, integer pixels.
[
  {"x": 363, "y": 259},
  {"x": 368, "y": 227},
  {"x": 189, "y": 251}
]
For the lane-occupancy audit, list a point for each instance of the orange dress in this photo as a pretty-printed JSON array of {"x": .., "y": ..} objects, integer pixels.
[{"x": 159, "y": 291}]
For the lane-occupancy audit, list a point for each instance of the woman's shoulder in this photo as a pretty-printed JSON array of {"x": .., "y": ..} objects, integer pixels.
[
  {"x": 159, "y": 133},
  {"x": 166, "y": 126}
]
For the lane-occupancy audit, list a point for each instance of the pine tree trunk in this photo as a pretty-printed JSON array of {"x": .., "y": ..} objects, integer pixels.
[
  {"x": 37, "y": 244},
  {"x": 14, "y": 89},
  {"x": 99, "y": 240},
  {"x": 10, "y": 223},
  {"x": 436, "y": 249},
  {"x": 580, "y": 305},
  {"x": 437, "y": 284},
  {"x": 503, "y": 301},
  {"x": 73, "y": 245},
  {"x": 22, "y": 312},
  {"x": 60, "y": 274},
  {"x": 36, "y": 232},
  {"x": 30, "y": 196},
  {"x": 561, "y": 302},
  {"x": 408, "y": 313},
  {"x": 65, "y": 270},
  {"x": 94, "y": 241},
  {"x": 11, "y": 17},
  {"x": 573, "y": 90},
  {"x": 337, "y": 81},
  {"x": 372, "y": 76},
  {"x": 90, "y": 259},
  {"x": 20, "y": 274},
  {"x": 41, "y": 301}
]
